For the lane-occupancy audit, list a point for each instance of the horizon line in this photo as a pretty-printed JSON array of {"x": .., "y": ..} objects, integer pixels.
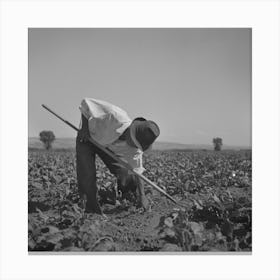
[{"x": 170, "y": 142}]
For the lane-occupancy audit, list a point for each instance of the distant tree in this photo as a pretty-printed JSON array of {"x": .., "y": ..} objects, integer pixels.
[
  {"x": 218, "y": 143},
  {"x": 47, "y": 137}
]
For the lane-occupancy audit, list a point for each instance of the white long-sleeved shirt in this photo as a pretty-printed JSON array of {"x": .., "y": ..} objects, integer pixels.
[{"x": 106, "y": 123}]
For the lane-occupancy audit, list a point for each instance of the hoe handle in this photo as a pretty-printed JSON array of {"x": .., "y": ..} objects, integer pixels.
[{"x": 113, "y": 156}]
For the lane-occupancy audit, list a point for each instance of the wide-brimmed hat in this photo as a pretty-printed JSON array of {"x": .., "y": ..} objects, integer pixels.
[{"x": 143, "y": 133}]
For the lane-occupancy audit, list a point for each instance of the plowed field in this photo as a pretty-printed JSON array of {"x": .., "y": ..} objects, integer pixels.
[{"x": 215, "y": 188}]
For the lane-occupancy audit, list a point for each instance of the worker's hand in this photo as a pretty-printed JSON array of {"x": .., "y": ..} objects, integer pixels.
[
  {"x": 145, "y": 203},
  {"x": 83, "y": 135}
]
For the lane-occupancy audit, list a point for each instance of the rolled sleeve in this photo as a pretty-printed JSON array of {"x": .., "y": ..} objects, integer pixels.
[{"x": 138, "y": 159}]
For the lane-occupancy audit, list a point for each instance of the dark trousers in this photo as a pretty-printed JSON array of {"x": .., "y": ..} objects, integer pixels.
[{"x": 86, "y": 173}]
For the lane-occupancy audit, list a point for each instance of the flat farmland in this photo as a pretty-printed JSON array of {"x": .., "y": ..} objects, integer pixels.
[{"x": 214, "y": 187}]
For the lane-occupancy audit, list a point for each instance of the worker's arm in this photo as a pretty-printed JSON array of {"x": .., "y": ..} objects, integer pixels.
[
  {"x": 83, "y": 134},
  {"x": 140, "y": 186},
  {"x": 143, "y": 201}
]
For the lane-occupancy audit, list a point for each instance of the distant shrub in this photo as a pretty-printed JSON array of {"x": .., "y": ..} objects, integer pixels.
[
  {"x": 218, "y": 142},
  {"x": 47, "y": 137}
]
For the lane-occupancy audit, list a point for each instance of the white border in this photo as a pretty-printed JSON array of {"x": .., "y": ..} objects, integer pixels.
[{"x": 16, "y": 17}]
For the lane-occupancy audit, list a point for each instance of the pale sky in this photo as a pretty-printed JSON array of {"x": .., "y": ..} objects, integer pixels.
[{"x": 194, "y": 83}]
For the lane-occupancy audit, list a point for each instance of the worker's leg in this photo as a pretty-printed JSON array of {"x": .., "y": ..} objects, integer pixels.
[
  {"x": 115, "y": 170},
  {"x": 86, "y": 175}
]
